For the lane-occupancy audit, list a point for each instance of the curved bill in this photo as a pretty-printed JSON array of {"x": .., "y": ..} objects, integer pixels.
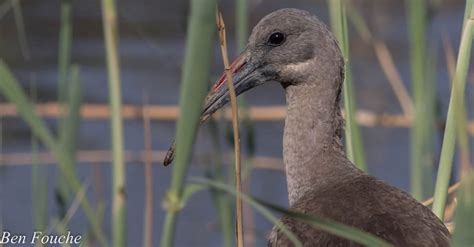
[{"x": 245, "y": 76}]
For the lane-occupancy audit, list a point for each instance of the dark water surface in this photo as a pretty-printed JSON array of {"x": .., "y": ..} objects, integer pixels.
[{"x": 151, "y": 51}]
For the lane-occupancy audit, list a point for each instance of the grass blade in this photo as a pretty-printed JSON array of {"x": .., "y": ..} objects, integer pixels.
[
  {"x": 254, "y": 203},
  {"x": 323, "y": 224},
  {"x": 201, "y": 28},
  {"x": 39, "y": 190},
  {"x": 20, "y": 26},
  {"x": 333, "y": 227},
  {"x": 64, "y": 57}
]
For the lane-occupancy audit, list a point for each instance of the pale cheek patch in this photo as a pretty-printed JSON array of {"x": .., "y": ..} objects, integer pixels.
[{"x": 299, "y": 67}]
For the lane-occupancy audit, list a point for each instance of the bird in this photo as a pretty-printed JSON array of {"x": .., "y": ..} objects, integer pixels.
[{"x": 294, "y": 48}]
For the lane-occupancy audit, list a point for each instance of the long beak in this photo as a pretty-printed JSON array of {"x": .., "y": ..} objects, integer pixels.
[{"x": 245, "y": 76}]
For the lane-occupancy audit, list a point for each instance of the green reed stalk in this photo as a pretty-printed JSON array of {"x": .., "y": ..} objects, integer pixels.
[
  {"x": 422, "y": 130},
  {"x": 109, "y": 20},
  {"x": 64, "y": 61},
  {"x": 65, "y": 39},
  {"x": 354, "y": 144},
  {"x": 39, "y": 186},
  {"x": 39, "y": 189},
  {"x": 196, "y": 68},
  {"x": 456, "y": 100},
  {"x": 20, "y": 27}
]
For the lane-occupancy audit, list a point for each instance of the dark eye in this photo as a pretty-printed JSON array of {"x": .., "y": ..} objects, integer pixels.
[{"x": 276, "y": 39}]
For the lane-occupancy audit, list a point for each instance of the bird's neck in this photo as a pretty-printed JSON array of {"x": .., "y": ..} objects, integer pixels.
[{"x": 312, "y": 149}]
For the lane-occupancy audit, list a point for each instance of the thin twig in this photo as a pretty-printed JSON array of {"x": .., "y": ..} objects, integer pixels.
[
  {"x": 385, "y": 59},
  {"x": 394, "y": 78},
  {"x": 73, "y": 208},
  {"x": 451, "y": 190},
  {"x": 449, "y": 55},
  {"x": 235, "y": 127}
]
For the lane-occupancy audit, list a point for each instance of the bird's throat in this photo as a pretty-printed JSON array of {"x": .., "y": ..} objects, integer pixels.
[{"x": 310, "y": 138}]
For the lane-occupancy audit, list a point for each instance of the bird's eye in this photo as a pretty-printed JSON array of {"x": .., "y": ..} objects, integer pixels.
[{"x": 276, "y": 39}]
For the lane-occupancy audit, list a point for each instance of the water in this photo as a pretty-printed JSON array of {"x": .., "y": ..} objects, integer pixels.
[{"x": 151, "y": 49}]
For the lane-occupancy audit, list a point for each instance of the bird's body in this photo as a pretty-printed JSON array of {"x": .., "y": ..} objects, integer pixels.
[
  {"x": 297, "y": 50},
  {"x": 363, "y": 202}
]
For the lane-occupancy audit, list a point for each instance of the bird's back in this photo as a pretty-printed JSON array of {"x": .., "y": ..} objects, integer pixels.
[{"x": 368, "y": 204}]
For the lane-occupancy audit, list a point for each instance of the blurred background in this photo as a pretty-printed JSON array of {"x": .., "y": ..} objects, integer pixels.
[{"x": 151, "y": 48}]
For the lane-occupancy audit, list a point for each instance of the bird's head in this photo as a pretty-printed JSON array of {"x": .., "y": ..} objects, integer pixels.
[{"x": 285, "y": 46}]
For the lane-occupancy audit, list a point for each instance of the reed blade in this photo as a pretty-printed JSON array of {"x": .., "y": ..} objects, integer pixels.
[
  {"x": 354, "y": 144},
  {"x": 195, "y": 78}
]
